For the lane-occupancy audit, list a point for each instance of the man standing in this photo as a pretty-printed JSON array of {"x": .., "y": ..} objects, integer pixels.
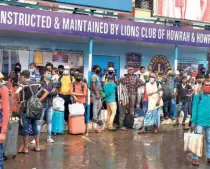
[
  {"x": 132, "y": 83},
  {"x": 64, "y": 89},
  {"x": 4, "y": 117},
  {"x": 34, "y": 73},
  {"x": 96, "y": 92},
  {"x": 47, "y": 104},
  {"x": 24, "y": 88},
  {"x": 140, "y": 92},
  {"x": 184, "y": 92},
  {"x": 110, "y": 89},
  {"x": 169, "y": 96}
]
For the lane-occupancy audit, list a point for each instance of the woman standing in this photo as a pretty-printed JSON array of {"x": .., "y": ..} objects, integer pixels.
[{"x": 155, "y": 102}]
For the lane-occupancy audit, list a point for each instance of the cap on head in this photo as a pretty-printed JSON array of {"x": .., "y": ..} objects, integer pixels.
[
  {"x": 66, "y": 67},
  {"x": 110, "y": 69}
]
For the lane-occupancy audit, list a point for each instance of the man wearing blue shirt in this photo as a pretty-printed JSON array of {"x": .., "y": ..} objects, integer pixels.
[
  {"x": 34, "y": 73},
  {"x": 110, "y": 90}
]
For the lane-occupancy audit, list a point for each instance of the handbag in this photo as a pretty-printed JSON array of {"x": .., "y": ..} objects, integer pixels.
[
  {"x": 58, "y": 104},
  {"x": 193, "y": 143},
  {"x": 129, "y": 120},
  {"x": 76, "y": 109}
]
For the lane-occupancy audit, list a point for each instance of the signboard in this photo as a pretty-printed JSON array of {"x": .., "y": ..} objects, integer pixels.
[
  {"x": 193, "y": 10},
  {"x": 32, "y": 20},
  {"x": 133, "y": 60},
  {"x": 159, "y": 64},
  {"x": 116, "y": 5}
]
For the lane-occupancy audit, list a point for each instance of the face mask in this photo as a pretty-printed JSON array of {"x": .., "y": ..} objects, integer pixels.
[
  {"x": 152, "y": 80},
  {"x": 111, "y": 73},
  {"x": 17, "y": 69},
  {"x": 66, "y": 72},
  {"x": 31, "y": 70},
  {"x": 48, "y": 77},
  {"x": 206, "y": 89},
  {"x": 98, "y": 72},
  {"x": 60, "y": 72}
]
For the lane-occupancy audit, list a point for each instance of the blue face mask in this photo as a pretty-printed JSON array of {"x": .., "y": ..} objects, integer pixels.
[
  {"x": 48, "y": 77},
  {"x": 31, "y": 70}
]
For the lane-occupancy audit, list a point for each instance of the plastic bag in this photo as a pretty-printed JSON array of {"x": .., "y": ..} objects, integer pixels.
[
  {"x": 193, "y": 143},
  {"x": 76, "y": 109},
  {"x": 58, "y": 103},
  {"x": 103, "y": 115},
  {"x": 138, "y": 123}
]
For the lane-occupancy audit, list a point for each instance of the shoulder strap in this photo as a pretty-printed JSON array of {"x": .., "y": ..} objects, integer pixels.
[
  {"x": 83, "y": 86},
  {"x": 201, "y": 95},
  {"x": 73, "y": 86},
  {"x": 30, "y": 88},
  {"x": 60, "y": 77}
]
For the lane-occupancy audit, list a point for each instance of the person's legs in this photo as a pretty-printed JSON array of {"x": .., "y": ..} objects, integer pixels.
[
  {"x": 108, "y": 114},
  {"x": 199, "y": 130},
  {"x": 139, "y": 99},
  {"x": 113, "y": 108},
  {"x": 95, "y": 107},
  {"x": 36, "y": 133},
  {"x": 132, "y": 102},
  {"x": 49, "y": 115},
  {"x": 186, "y": 110},
  {"x": 25, "y": 122},
  {"x": 39, "y": 122},
  {"x": 207, "y": 132},
  {"x": 122, "y": 115},
  {"x": 1, "y": 156},
  {"x": 165, "y": 108},
  {"x": 173, "y": 109}
]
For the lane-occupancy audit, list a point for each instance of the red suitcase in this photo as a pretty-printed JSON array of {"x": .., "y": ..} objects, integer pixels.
[{"x": 76, "y": 125}]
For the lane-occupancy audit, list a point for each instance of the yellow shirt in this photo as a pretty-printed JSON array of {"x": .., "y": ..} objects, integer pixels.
[{"x": 65, "y": 85}]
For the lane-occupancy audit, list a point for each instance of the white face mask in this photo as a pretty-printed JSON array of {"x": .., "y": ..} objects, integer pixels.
[
  {"x": 66, "y": 72},
  {"x": 152, "y": 80}
]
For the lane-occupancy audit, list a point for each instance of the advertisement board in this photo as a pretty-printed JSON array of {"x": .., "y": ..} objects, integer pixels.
[
  {"x": 193, "y": 10},
  {"x": 116, "y": 5}
]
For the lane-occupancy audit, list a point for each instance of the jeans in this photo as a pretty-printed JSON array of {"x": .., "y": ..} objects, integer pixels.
[
  {"x": 48, "y": 112},
  {"x": 199, "y": 130},
  {"x": 169, "y": 112},
  {"x": 131, "y": 105},
  {"x": 139, "y": 99},
  {"x": 1, "y": 156},
  {"x": 67, "y": 99},
  {"x": 111, "y": 113},
  {"x": 96, "y": 107},
  {"x": 26, "y": 123},
  {"x": 187, "y": 106}
]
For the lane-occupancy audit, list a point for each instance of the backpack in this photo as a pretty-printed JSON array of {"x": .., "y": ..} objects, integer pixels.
[
  {"x": 34, "y": 106},
  {"x": 59, "y": 84},
  {"x": 129, "y": 120}
]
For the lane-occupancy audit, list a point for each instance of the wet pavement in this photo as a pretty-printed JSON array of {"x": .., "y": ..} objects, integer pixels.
[{"x": 110, "y": 150}]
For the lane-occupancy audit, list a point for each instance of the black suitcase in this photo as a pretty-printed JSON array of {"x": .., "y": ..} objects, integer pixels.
[{"x": 11, "y": 143}]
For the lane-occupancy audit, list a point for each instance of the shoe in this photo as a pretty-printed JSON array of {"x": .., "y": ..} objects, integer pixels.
[
  {"x": 50, "y": 140},
  {"x": 176, "y": 123},
  {"x": 33, "y": 142},
  {"x": 124, "y": 129}
]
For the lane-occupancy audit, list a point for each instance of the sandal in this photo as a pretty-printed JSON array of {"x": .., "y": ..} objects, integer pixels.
[
  {"x": 35, "y": 150},
  {"x": 195, "y": 162},
  {"x": 142, "y": 131},
  {"x": 21, "y": 151}
]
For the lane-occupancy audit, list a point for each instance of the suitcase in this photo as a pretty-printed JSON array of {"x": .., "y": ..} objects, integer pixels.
[
  {"x": 58, "y": 123},
  {"x": 77, "y": 125},
  {"x": 11, "y": 143}
]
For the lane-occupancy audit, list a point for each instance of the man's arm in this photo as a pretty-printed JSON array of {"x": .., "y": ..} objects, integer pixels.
[
  {"x": 203, "y": 9},
  {"x": 44, "y": 95}
]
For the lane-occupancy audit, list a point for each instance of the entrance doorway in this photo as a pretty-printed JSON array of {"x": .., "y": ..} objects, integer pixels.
[{"x": 107, "y": 61}]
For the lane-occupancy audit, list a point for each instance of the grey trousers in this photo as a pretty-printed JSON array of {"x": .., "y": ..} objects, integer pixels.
[{"x": 96, "y": 107}]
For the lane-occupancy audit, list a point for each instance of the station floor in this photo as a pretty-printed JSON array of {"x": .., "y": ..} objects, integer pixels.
[{"x": 110, "y": 150}]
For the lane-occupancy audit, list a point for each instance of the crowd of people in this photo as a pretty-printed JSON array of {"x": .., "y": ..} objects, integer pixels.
[{"x": 159, "y": 98}]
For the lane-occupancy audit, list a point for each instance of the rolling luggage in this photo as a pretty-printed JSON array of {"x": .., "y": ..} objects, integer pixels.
[
  {"x": 58, "y": 123},
  {"x": 77, "y": 125},
  {"x": 11, "y": 143}
]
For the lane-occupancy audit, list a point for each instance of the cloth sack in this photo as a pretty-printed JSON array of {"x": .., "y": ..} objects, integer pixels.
[
  {"x": 129, "y": 120},
  {"x": 193, "y": 143},
  {"x": 138, "y": 123},
  {"x": 58, "y": 103},
  {"x": 76, "y": 109}
]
